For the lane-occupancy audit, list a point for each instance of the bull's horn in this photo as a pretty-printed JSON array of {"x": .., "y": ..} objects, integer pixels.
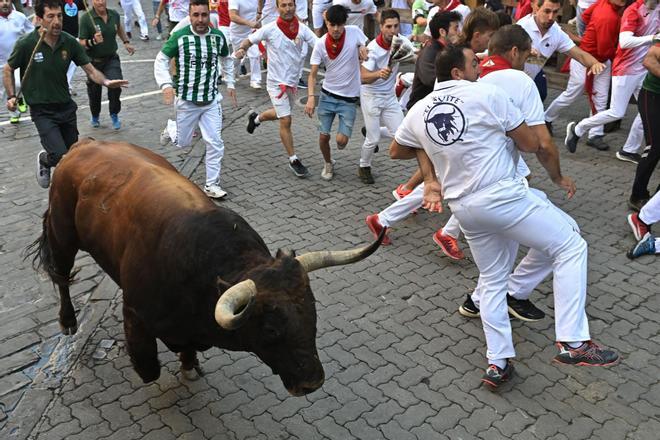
[
  {"x": 312, "y": 261},
  {"x": 239, "y": 296}
]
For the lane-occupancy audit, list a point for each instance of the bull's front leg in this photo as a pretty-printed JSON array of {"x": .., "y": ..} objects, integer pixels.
[
  {"x": 190, "y": 368},
  {"x": 141, "y": 346}
]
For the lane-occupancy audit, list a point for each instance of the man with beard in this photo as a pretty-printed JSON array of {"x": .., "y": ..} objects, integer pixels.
[
  {"x": 46, "y": 89},
  {"x": 340, "y": 51},
  {"x": 284, "y": 40},
  {"x": 199, "y": 49},
  {"x": 474, "y": 171}
]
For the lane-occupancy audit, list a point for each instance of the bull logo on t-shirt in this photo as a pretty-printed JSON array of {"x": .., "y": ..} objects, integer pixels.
[{"x": 445, "y": 123}]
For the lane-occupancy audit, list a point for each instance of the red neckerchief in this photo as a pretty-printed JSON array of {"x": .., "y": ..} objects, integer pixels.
[
  {"x": 493, "y": 64},
  {"x": 68, "y": 2},
  {"x": 452, "y": 5},
  {"x": 288, "y": 28},
  {"x": 334, "y": 47},
  {"x": 382, "y": 43}
]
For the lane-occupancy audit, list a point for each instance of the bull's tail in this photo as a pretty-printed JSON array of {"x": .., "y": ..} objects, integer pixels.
[{"x": 42, "y": 257}]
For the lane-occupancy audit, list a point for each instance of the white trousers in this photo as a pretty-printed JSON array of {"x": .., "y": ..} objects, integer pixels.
[
  {"x": 575, "y": 89},
  {"x": 623, "y": 87},
  {"x": 650, "y": 212},
  {"x": 132, "y": 9},
  {"x": 253, "y": 56},
  {"x": 209, "y": 118},
  {"x": 377, "y": 109},
  {"x": 17, "y": 85},
  {"x": 507, "y": 212}
]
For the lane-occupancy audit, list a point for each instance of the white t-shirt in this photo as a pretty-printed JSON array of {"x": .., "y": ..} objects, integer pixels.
[
  {"x": 463, "y": 10},
  {"x": 178, "y": 9},
  {"x": 284, "y": 55},
  {"x": 462, "y": 127},
  {"x": 554, "y": 40},
  {"x": 356, "y": 12},
  {"x": 246, "y": 9},
  {"x": 11, "y": 29},
  {"x": 342, "y": 75},
  {"x": 269, "y": 13},
  {"x": 378, "y": 59},
  {"x": 525, "y": 96},
  {"x": 584, "y": 4}
]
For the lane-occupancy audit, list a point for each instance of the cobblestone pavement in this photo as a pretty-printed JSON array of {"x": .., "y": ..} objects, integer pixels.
[{"x": 400, "y": 362}]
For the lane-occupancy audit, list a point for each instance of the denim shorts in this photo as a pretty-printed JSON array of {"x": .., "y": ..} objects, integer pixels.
[{"x": 329, "y": 107}]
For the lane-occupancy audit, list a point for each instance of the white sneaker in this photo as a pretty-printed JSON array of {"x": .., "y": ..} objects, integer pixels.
[
  {"x": 214, "y": 191},
  {"x": 328, "y": 171},
  {"x": 159, "y": 37},
  {"x": 165, "y": 137},
  {"x": 255, "y": 84}
]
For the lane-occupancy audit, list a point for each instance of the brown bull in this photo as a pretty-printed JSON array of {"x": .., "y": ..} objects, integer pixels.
[{"x": 193, "y": 274}]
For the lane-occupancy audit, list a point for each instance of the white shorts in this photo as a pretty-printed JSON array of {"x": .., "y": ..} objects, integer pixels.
[
  {"x": 317, "y": 14},
  {"x": 281, "y": 101}
]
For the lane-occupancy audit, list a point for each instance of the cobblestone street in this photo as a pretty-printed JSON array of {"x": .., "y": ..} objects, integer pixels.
[{"x": 400, "y": 362}]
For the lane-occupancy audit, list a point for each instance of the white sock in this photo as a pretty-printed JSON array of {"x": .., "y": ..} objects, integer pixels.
[
  {"x": 574, "y": 344},
  {"x": 292, "y": 158},
  {"x": 257, "y": 121},
  {"x": 500, "y": 363}
]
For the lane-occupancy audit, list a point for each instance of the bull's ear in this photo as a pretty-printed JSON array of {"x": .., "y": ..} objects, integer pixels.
[
  {"x": 222, "y": 285},
  {"x": 285, "y": 253}
]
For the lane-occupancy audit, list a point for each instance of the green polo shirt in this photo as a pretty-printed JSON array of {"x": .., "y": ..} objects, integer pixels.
[
  {"x": 108, "y": 30},
  {"x": 46, "y": 83}
]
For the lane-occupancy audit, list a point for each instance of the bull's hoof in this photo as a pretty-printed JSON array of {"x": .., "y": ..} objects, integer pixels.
[
  {"x": 148, "y": 377},
  {"x": 193, "y": 374},
  {"x": 69, "y": 327}
]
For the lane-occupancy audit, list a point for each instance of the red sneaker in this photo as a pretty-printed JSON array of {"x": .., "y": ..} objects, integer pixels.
[
  {"x": 400, "y": 192},
  {"x": 449, "y": 245},
  {"x": 375, "y": 227},
  {"x": 638, "y": 227}
]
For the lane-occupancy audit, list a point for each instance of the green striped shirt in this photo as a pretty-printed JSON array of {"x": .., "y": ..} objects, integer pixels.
[{"x": 197, "y": 62}]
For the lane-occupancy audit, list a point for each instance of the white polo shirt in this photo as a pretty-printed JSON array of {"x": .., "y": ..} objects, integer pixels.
[
  {"x": 554, "y": 40},
  {"x": 356, "y": 12},
  {"x": 246, "y": 9},
  {"x": 378, "y": 59},
  {"x": 462, "y": 127},
  {"x": 285, "y": 57},
  {"x": 342, "y": 75},
  {"x": 11, "y": 29},
  {"x": 463, "y": 10}
]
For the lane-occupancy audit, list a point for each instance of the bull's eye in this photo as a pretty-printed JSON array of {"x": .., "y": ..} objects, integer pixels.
[{"x": 271, "y": 333}]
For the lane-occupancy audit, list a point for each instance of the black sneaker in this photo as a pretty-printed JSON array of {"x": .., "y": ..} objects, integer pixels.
[
  {"x": 468, "y": 309},
  {"x": 523, "y": 309},
  {"x": 571, "y": 139},
  {"x": 43, "y": 170},
  {"x": 302, "y": 84},
  {"x": 244, "y": 71},
  {"x": 251, "y": 125},
  {"x": 598, "y": 143},
  {"x": 636, "y": 204},
  {"x": 364, "y": 173},
  {"x": 129, "y": 35},
  {"x": 549, "y": 127},
  {"x": 628, "y": 157},
  {"x": 495, "y": 376},
  {"x": 298, "y": 168},
  {"x": 588, "y": 354}
]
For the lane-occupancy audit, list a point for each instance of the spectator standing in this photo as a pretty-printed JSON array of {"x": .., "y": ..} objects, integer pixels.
[
  {"x": 177, "y": 10},
  {"x": 245, "y": 16},
  {"x": 132, "y": 12}
]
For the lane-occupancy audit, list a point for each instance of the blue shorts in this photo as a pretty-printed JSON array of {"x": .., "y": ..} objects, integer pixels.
[{"x": 329, "y": 107}]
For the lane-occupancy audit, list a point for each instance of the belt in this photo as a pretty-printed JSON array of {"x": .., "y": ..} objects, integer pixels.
[{"x": 342, "y": 98}]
